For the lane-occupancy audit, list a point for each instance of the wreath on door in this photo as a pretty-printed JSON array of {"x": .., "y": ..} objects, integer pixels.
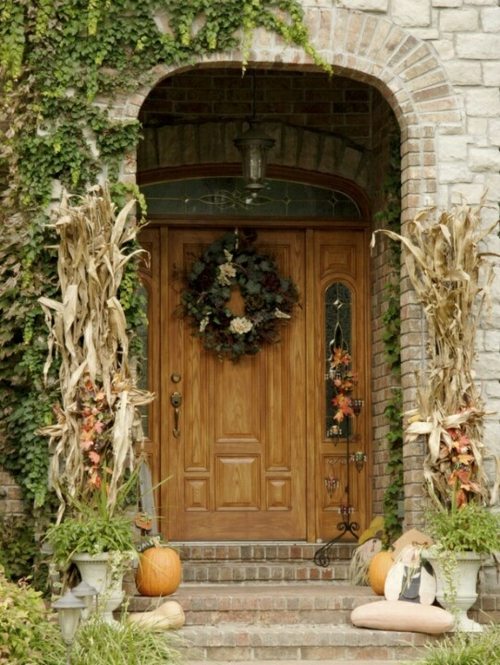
[{"x": 233, "y": 263}]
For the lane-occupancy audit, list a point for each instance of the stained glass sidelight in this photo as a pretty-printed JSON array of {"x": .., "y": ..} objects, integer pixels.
[{"x": 338, "y": 317}]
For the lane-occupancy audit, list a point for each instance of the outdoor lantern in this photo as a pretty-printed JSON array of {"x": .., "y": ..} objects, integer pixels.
[
  {"x": 69, "y": 609},
  {"x": 253, "y": 146},
  {"x": 85, "y": 593}
]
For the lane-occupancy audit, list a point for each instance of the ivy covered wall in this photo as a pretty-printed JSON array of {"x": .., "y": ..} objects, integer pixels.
[{"x": 58, "y": 60}]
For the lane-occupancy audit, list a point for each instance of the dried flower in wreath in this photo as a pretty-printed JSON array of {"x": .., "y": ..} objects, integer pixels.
[{"x": 230, "y": 263}]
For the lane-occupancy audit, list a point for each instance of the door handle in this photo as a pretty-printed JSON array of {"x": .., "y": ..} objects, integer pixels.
[{"x": 176, "y": 401}]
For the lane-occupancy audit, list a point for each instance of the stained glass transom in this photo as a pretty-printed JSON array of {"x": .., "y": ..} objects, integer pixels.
[{"x": 227, "y": 196}]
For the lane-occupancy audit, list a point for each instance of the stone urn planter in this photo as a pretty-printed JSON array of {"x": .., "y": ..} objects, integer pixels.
[
  {"x": 456, "y": 583},
  {"x": 104, "y": 572}
]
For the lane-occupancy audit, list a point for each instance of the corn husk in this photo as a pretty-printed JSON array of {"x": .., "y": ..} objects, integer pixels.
[
  {"x": 88, "y": 332},
  {"x": 451, "y": 279}
]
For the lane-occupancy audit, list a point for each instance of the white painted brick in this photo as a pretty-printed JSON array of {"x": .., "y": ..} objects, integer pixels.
[
  {"x": 453, "y": 172},
  {"x": 411, "y": 13},
  {"x": 491, "y": 73},
  {"x": 478, "y": 47},
  {"x": 365, "y": 5},
  {"x": 490, "y": 19},
  {"x": 464, "y": 73},
  {"x": 484, "y": 159},
  {"x": 485, "y": 103},
  {"x": 452, "y": 147},
  {"x": 458, "y": 20}
]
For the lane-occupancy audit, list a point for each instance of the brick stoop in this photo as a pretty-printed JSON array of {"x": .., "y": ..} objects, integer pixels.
[
  {"x": 261, "y": 562},
  {"x": 250, "y": 616}
]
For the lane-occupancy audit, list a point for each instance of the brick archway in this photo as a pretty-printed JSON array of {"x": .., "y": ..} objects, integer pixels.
[
  {"x": 367, "y": 48},
  {"x": 409, "y": 76}
]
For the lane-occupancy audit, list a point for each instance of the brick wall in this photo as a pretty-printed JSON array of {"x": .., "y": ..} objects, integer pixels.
[{"x": 10, "y": 495}]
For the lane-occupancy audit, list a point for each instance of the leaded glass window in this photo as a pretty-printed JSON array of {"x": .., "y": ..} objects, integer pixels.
[
  {"x": 338, "y": 322},
  {"x": 227, "y": 196}
]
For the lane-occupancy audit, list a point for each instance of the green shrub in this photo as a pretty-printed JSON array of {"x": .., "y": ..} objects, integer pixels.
[
  {"x": 20, "y": 554},
  {"x": 465, "y": 649},
  {"x": 99, "y": 643},
  {"x": 27, "y": 637}
]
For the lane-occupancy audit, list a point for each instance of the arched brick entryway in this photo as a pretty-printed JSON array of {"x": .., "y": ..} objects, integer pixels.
[{"x": 411, "y": 79}]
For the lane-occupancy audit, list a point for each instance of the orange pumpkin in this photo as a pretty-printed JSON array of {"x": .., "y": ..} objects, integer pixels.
[
  {"x": 159, "y": 571},
  {"x": 378, "y": 569}
]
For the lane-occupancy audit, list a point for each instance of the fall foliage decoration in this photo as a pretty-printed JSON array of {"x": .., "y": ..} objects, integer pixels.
[
  {"x": 451, "y": 279},
  {"x": 97, "y": 423}
]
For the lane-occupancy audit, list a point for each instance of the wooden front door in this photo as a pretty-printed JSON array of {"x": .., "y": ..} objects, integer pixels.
[{"x": 247, "y": 451}]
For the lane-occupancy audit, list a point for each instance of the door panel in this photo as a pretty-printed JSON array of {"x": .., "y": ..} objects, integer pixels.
[
  {"x": 252, "y": 454},
  {"x": 341, "y": 258},
  {"x": 238, "y": 465}
]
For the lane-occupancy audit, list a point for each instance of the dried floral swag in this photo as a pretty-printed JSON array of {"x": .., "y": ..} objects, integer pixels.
[
  {"x": 97, "y": 423},
  {"x": 451, "y": 279},
  {"x": 232, "y": 262}
]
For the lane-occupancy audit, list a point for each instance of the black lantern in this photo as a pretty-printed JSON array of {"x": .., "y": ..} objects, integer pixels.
[{"x": 254, "y": 145}]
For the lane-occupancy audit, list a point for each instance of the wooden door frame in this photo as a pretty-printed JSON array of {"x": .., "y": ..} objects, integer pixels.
[{"x": 159, "y": 225}]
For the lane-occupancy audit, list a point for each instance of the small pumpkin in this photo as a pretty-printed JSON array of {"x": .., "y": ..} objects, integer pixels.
[
  {"x": 159, "y": 571},
  {"x": 169, "y": 616},
  {"x": 379, "y": 566}
]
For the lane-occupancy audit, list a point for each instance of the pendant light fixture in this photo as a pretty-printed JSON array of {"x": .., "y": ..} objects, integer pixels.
[{"x": 253, "y": 146}]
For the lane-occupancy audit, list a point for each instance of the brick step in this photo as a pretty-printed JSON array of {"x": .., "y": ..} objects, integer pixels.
[
  {"x": 262, "y": 571},
  {"x": 264, "y": 604},
  {"x": 261, "y": 551},
  {"x": 295, "y": 642}
]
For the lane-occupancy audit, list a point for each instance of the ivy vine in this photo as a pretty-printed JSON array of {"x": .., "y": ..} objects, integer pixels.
[
  {"x": 390, "y": 217},
  {"x": 59, "y": 61}
]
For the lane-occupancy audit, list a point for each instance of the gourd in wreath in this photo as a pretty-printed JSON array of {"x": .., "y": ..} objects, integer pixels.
[
  {"x": 159, "y": 571},
  {"x": 229, "y": 264},
  {"x": 378, "y": 570}
]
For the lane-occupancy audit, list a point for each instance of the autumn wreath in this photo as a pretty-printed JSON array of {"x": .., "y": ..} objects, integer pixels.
[{"x": 232, "y": 262}]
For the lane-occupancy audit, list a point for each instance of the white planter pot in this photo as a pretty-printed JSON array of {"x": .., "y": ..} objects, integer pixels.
[
  {"x": 98, "y": 571},
  {"x": 461, "y": 594}
]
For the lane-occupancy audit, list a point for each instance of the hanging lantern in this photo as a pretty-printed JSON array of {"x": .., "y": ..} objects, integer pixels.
[{"x": 253, "y": 145}]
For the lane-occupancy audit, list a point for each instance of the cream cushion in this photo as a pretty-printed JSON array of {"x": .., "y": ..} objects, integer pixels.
[{"x": 404, "y": 616}]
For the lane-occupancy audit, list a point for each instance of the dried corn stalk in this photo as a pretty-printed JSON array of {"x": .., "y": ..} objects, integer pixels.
[
  {"x": 444, "y": 264},
  {"x": 93, "y": 440}
]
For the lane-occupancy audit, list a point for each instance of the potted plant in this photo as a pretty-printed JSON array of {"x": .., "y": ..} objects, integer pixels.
[
  {"x": 100, "y": 543},
  {"x": 450, "y": 277},
  {"x": 464, "y": 538},
  {"x": 96, "y": 433}
]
